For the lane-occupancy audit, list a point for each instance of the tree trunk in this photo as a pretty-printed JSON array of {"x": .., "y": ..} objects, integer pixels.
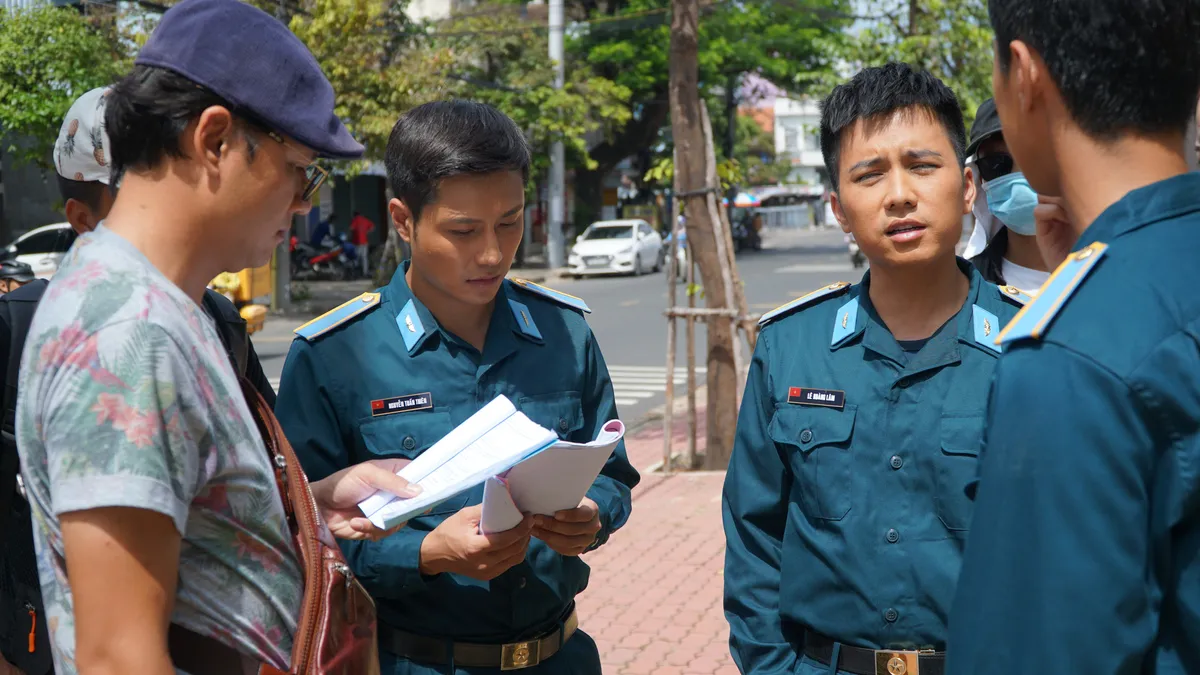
[{"x": 690, "y": 184}]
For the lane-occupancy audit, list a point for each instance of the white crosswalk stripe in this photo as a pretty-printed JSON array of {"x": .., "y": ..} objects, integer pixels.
[{"x": 631, "y": 384}]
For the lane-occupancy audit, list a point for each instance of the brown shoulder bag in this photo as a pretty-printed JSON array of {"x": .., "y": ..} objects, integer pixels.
[{"x": 336, "y": 631}]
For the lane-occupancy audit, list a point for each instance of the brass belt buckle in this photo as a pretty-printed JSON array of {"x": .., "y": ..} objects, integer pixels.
[
  {"x": 519, "y": 655},
  {"x": 897, "y": 663}
]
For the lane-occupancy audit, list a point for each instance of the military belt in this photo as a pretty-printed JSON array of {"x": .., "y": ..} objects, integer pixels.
[
  {"x": 862, "y": 661},
  {"x": 510, "y": 656}
]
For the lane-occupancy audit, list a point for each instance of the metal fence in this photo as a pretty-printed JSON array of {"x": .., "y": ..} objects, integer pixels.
[{"x": 792, "y": 216}]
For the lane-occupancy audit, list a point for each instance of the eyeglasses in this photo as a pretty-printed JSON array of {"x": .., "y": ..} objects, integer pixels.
[
  {"x": 994, "y": 166},
  {"x": 314, "y": 174}
]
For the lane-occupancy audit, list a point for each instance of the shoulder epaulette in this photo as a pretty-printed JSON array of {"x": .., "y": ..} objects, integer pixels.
[
  {"x": 1035, "y": 317},
  {"x": 561, "y": 298},
  {"x": 338, "y": 316},
  {"x": 803, "y": 301},
  {"x": 1016, "y": 295}
]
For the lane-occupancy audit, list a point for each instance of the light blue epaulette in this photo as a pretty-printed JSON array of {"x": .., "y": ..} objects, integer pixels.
[
  {"x": 1016, "y": 295},
  {"x": 559, "y": 297},
  {"x": 338, "y": 316},
  {"x": 802, "y": 302},
  {"x": 1035, "y": 317}
]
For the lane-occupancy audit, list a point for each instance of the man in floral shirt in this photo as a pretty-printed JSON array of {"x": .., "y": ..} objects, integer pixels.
[{"x": 153, "y": 498}]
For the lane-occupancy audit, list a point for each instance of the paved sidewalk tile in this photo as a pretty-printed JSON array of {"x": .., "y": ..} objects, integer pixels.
[{"x": 654, "y": 599}]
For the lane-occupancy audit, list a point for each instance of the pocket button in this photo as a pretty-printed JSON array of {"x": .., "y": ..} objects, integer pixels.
[
  {"x": 891, "y": 615},
  {"x": 893, "y": 536},
  {"x": 409, "y": 443},
  {"x": 563, "y": 425},
  {"x": 805, "y": 436},
  {"x": 897, "y": 461}
]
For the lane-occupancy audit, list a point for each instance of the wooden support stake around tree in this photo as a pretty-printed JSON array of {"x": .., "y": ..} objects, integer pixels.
[
  {"x": 689, "y": 458},
  {"x": 672, "y": 275}
]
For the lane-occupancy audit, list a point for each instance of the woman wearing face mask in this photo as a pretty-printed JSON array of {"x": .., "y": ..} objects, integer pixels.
[{"x": 1002, "y": 244}]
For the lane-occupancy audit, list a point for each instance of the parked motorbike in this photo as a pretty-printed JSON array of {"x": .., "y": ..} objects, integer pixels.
[
  {"x": 336, "y": 258},
  {"x": 746, "y": 233}
]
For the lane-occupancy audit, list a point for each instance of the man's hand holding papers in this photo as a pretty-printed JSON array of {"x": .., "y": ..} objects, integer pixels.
[
  {"x": 338, "y": 495},
  {"x": 457, "y": 546},
  {"x": 570, "y": 532}
]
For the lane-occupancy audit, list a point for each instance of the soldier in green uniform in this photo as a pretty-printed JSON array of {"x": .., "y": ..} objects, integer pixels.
[
  {"x": 844, "y": 505},
  {"x": 1083, "y": 552},
  {"x": 445, "y": 337}
]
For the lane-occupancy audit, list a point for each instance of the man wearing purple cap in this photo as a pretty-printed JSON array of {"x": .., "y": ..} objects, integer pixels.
[{"x": 157, "y": 520}]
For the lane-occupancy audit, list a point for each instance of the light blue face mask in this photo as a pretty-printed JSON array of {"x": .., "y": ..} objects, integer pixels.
[{"x": 1011, "y": 201}]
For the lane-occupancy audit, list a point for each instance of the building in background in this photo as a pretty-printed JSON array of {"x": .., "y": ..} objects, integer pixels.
[
  {"x": 436, "y": 10},
  {"x": 797, "y": 134}
]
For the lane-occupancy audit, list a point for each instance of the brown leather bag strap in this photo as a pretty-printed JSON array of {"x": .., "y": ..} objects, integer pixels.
[
  {"x": 304, "y": 521},
  {"x": 268, "y": 428}
]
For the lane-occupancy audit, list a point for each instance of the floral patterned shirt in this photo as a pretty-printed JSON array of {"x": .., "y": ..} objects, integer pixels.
[{"x": 128, "y": 399}]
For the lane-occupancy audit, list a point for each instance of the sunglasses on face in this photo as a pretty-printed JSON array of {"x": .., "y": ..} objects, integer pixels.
[
  {"x": 314, "y": 174},
  {"x": 994, "y": 166}
]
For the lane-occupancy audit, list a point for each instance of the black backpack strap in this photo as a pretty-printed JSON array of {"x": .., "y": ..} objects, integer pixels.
[
  {"x": 21, "y": 608},
  {"x": 10, "y": 464},
  {"x": 16, "y": 316},
  {"x": 228, "y": 322}
]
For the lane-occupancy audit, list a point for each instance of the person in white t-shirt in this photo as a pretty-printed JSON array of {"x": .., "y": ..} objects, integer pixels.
[{"x": 1002, "y": 246}]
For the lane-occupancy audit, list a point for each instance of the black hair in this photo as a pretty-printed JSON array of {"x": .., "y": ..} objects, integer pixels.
[
  {"x": 877, "y": 92},
  {"x": 148, "y": 110},
  {"x": 439, "y": 140},
  {"x": 88, "y": 192},
  {"x": 1120, "y": 65}
]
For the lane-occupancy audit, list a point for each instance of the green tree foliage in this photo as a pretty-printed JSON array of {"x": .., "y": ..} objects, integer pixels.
[
  {"x": 378, "y": 62},
  {"x": 501, "y": 57},
  {"x": 950, "y": 38},
  {"x": 48, "y": 57},
  {"x": 788, "y": 42},
  {"x": 754, "y": 150},
  {"x": 382, "y": 64},
  {"x": 754, "y": 161}
]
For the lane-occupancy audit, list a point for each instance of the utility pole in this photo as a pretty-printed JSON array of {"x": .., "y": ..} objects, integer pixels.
[{"x": 554, "y": 237}]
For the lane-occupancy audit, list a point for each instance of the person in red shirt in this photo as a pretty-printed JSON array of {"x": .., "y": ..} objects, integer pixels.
[{"x": 360, "y": 228}]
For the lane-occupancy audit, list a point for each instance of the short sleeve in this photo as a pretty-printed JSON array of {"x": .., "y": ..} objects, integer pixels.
[{"x": 124, "y": 419}]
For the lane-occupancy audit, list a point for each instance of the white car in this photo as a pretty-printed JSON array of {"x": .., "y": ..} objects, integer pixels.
[
  {"x": 616, "y": 247},
  {"x": 42, "y": 248}
]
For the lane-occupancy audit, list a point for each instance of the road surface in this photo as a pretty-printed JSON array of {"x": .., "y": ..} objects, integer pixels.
[{"x": 627, "y": 312}]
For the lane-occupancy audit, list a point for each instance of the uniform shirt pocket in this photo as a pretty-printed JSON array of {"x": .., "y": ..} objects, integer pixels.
[
  {"x": 408, "y": 435},
  {"x": 957, "y": 465},
  {"x": 818, "y": 442},
  {"x": 560, "y": 412}
]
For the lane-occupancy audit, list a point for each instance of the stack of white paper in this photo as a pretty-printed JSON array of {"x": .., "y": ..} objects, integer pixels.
[
  {"x": 552, "y": 480},
  {"x": 490, "y": 442}
]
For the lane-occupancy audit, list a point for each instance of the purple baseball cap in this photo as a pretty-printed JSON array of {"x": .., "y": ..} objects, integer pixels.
[{"x": 253, "y": 61}]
